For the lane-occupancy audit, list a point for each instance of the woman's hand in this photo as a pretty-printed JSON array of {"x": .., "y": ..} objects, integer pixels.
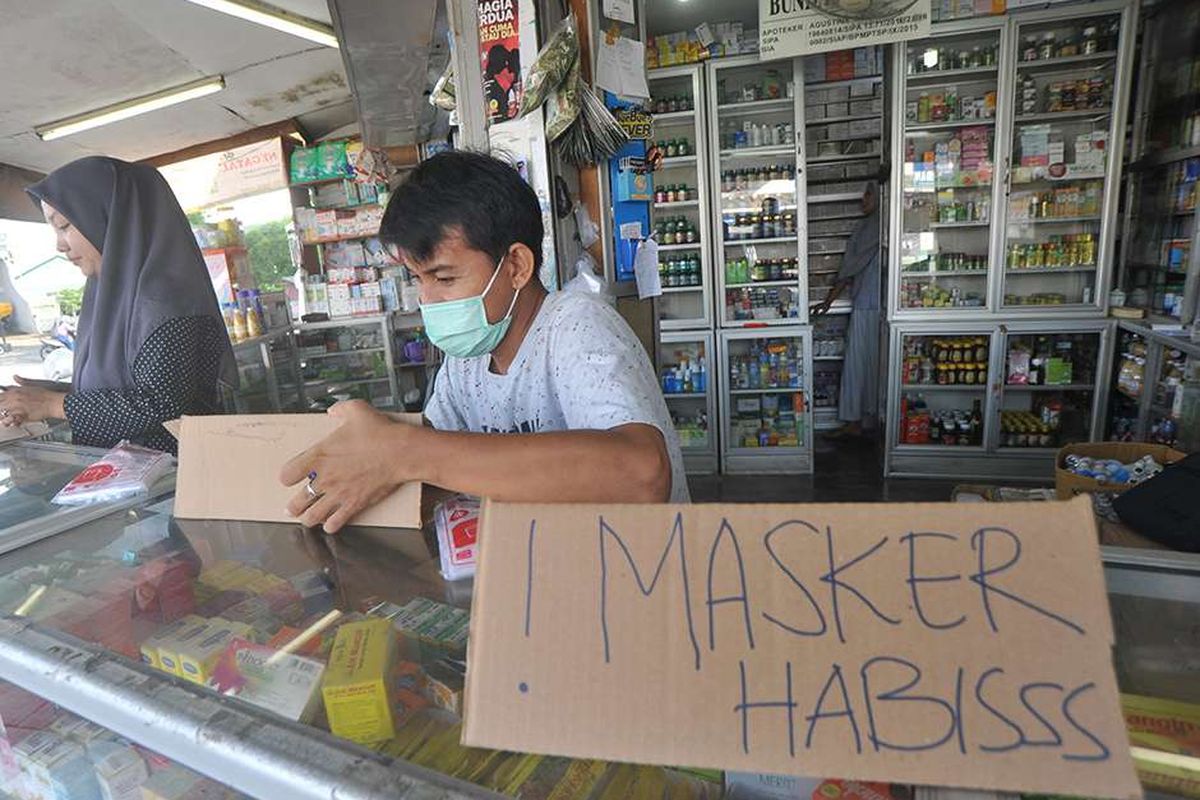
[
  {"x": 355, "y": 467},
  {"x": 29, "y": 403}
]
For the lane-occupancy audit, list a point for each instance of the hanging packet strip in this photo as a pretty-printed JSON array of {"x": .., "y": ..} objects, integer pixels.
[{"x": 125, "y": 471}]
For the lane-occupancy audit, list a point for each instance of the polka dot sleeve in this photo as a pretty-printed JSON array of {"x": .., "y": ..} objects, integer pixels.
[{"x": 175, "y": 373}]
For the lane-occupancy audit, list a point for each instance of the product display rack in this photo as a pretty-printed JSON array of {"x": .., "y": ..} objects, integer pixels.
[
  {"x": 687, "y": 361},
  {"x": 1006, "y": 181},
  {"x": 993, "y": 400},
  {"x": 685, "y": 267},
  {"x": 269, "y": 375},
  {"x": 766, "y": 409},
  {"x": 365, "y": 379},
  {"x": 1160, "y": 262}
]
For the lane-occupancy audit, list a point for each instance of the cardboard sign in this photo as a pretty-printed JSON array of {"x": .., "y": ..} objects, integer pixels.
[
  {"x": 229, "y": 469},
  {"x": 940, "y": 644},
  {"x": 796, "y": 27}
]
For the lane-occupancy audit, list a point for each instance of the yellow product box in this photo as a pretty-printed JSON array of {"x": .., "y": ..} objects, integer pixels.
[
  {"x": 198, "y": 656},
  {"x": 151, "y": 646},
  {"x": 1169, "y": 733},
  {"x": 170, "y": 646},
  {"x": 356, "y": 690}
]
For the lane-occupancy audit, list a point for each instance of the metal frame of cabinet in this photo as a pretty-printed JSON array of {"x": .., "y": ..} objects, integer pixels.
[
  {"x": 765, "y": 460},
  {"x": 384, "y": 323},
  {"x": 990, "y": 459},
  {"x": 1009, "y": 31},
  {"x": 697, "y": 460},
  {"x": 1157, "y": 343},
  {"x": 793, "y": 153},
  {"x": 694, "y": 166},
  {"x": 262, "y": 348}
]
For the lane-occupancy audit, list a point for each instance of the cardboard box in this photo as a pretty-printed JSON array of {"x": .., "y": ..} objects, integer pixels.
[
  {"x": 358, "y": 699},
  {"x": 1068, "y": 484},
  {"x": 229, "y": 469}
]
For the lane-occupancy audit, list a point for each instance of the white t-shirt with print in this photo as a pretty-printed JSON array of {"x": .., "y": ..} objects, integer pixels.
[{"x": 580, "y": 367}]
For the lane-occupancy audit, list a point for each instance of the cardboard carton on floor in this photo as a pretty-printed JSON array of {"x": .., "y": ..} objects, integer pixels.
[{"x": 229, "y": 469}]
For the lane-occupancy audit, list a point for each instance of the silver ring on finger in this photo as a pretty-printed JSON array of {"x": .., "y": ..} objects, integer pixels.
[{"x": 310, "y": 489}]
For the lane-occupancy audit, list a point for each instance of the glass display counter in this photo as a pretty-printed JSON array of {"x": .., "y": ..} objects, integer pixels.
[{"x": 105, "y": 690}]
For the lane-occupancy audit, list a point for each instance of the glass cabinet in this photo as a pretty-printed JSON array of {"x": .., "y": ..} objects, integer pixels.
[
  {"x": 950, "y": 86},
  {"x": 766, "y": 416},
  {"x": 993, "y": 399},
  {"x": 755, "y": 117},
  {"x": 679, "y": 212},
  {"x": 685, "y": 362}
]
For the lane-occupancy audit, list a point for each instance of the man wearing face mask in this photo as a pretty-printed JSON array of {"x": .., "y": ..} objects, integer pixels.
[{"x": 543, "y": 397}]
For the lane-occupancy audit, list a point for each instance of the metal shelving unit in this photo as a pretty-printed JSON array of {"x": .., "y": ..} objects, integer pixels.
[{"x": 379, "y": 331}]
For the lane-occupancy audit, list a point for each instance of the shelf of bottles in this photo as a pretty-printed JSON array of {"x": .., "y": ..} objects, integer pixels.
[
  {"x": 679, "y": 211},
  {"x": 843, "y": 119},
  {"x": 684, "y": 371},
  {"x": 947, "y": 180},
  {"x": 1049, "y": 389},
  {"x": 943, "y": 389},
  {"x": 1062, "y": 119},
  {"x": 766, "y": 409},
  {"x": 829, "y": 350},
  {"x": 1174, "y": 400},
  {"x": 1128, "y": 383},
  {"x": 758, "y": 255},
  {"x": 1163, "y": 223}
]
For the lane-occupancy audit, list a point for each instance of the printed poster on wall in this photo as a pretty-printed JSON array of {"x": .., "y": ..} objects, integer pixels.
[
  {"x": 797, "y": 27},
  {"x": 500, "y": 58}
]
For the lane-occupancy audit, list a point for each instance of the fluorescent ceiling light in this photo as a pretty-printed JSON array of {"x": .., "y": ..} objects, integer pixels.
[
  {"x": 130, "y": 108},
  {"x": 271, "y": 17}
]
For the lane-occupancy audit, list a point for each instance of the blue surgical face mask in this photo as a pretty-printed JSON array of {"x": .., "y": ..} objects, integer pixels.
[{"x": 460, "y": 328}]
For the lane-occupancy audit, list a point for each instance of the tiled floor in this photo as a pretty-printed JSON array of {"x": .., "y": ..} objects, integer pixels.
[{"x": 846, "y": 472}]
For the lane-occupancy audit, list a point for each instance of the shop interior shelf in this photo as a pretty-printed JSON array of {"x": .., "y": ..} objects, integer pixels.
[
  {"x": 1050, "y": 270},
  {"x": 841, "y": 157},
  {"x": 1054, "y": 220},
  {"x": 673, "y": 247},
  {"x": 757, "y": 106},
  {"x": 1159, "y": 408},
  {"x": 824, "y": 217},
  {"x": 1050, "y": 116},
  {"x": 675, "y": 116},
  {"x": 756, "y": 152},
  {"x": 832, "y": 271},
  {"x": 842, "y": 82},
  {"x": 846, "y": 118},
  {"x": 945, "y": 126},
  {"x": 678, "y": 161},
  {"x": 321, "y": 181},
  {"x": 752, "y": 209},
  {"x": 684, "y": 395},
  {"x": 962, "y": 273},
  {"x": 1079, "y": 176},
  {"x": 793, "y": 282},
  {"x": 775, "y": 390},
  {"x": 835, "y": 198},
  {"x": 944, "y": 387},
  {"x": 1066, "y": 61},
  {"x": 1049, "y": 387},
  {"x": 942, "y": 75},
  {"x": 1168, "y": 156},
  {"x": 340, "y": 322},
  {"x": 678, "y": 204},
  {"x": 1040, "y": 452},
  {"x": 775, "y": 240},
  {"x": 334, "y": 354},
  {"x": 906, "y": 447},
  {"x": 829, "y": 358},
  {"x": 983, "y": 224},
  {"x": 334, "y": 239},
  {"x": 347, "y": 383},
  {"x": 681, "y": 289}
]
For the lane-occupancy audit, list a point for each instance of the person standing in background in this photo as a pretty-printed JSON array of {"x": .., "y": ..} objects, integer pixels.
[{"x": 858, "y": 398}]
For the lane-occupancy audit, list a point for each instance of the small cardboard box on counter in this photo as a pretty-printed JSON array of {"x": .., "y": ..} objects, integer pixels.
[
  {"x": 1069, "y": 484},
  {"x": 229, "y": 469}
]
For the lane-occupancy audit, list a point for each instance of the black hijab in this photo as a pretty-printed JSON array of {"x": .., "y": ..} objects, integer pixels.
[{"x": 150, "y": 270}]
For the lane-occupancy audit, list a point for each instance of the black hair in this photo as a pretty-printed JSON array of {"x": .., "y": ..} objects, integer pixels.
[
  {"x": 499, "y": 57},
  {"x": 481, "y": 197}
]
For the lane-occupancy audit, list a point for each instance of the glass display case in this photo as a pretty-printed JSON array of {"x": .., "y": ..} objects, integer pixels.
[
  {"x": 680, "y": 211},
  {"x": 1160, "y": 266},
  {"x": 1154, "y": 394},
  {"x": 829, "y": 351},
  {"x": 346, "y": 359},
  {"x": 754, "y": 112},
  {"x": 269, "y": 376},
  {"x": 1007, "y": 189},
  {"x": 947, "y": 187},
  {"x": 766, "y": 415},
  {"x": 685, "y": 362},
  {"x": 1059, "y": 197},
  {"x": 992, "y": 399}
]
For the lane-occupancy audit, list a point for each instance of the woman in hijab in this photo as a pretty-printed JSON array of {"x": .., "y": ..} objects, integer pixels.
[{"x": 151, "y": 342}]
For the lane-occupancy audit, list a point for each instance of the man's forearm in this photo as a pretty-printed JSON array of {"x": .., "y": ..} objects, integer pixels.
[{"x": 624, "y": 465}]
